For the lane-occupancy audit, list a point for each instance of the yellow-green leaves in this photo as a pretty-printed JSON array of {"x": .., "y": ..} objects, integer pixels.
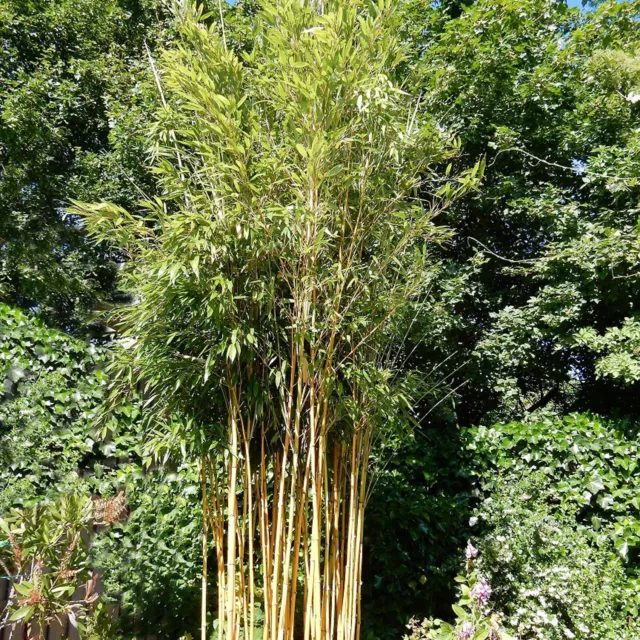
[
  {"x": 334, "y": 171},
  {"x": 290, "y": 255},
  {"x": 195, "y": 265}
]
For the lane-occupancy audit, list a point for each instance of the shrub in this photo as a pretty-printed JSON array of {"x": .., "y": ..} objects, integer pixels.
[
  {"x": 590, "y": 468},
  {"x": 558, "y": 524},
  {"x": 151, "y": 562},
  {"x": 474, "y": 618},
  {"x": 44, "y": 552},
  {"x": 550, "y": 579},
  {"x": 50, "y": 445}
]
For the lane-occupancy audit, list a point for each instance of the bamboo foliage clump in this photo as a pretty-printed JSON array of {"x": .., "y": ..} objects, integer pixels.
[{"x": 276, "y": 279}]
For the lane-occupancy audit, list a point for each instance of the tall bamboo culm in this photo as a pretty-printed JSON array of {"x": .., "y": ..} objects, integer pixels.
[{"x": 301, "y": 518}]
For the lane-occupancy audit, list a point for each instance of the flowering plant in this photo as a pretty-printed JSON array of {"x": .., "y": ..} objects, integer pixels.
[
  {"x": 474, "y": 618},
  {"x": 44, "y": 556},
  {"x": 543, "y": 567}
]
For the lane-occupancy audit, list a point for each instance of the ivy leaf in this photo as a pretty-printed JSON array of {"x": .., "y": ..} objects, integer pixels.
[{"x": 595, "y": 486}]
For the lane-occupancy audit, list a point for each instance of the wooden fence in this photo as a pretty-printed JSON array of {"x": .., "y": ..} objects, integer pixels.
[
  {"x": 65, "y": 629},
  {"x": 18, "y": 631}
]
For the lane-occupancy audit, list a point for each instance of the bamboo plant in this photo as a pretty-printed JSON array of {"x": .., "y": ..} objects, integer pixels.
[{"x": 276, "y": 280}]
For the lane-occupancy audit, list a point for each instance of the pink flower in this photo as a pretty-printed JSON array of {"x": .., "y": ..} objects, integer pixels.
[
  {"x": 481, "y": 591},
  {"x": 471, "y": 552},
  {"x": 493, "y": 634},
  {"x": 465, "y": 632}
]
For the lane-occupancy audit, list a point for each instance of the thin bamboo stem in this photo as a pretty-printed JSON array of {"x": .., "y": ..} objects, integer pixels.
[
  {"x": 231, "y": 526},
  {"x": 205, "y": 548}
]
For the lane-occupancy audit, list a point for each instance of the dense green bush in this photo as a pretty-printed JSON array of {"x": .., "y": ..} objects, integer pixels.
[
  {"x": 550, "y": 579},
  {"x": 559, "y": 514},
  {"x": 589, "y": 464},
  {"x": 52, "y": 389},
  {"x": 556, "y": 512},
  {"x": 416, "y": 523},
  {"x": 151, "y": 563},
  {"x": 51, "y": 444}
]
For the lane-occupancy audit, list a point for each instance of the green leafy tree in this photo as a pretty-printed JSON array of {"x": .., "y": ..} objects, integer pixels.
[
  {"x": 542, "y": 272},
  {"x": 77, "y": 90},
  {"x": 65, "y": 65}
]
